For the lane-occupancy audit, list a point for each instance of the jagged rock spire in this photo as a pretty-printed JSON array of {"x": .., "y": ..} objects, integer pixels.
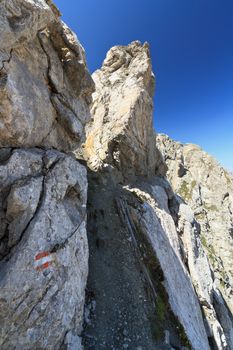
[{"x": 121, "y": 131}]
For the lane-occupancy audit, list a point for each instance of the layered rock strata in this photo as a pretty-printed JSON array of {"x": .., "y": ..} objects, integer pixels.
[
  {"x": 45, "y": 89},
  {"x": 159, "y": 269},
  {"x": 121, "y": 133},
  {"x": 44, "y": 82},
  {"x": 122, "y": 155},
  {"x": 207, "y": 188}
]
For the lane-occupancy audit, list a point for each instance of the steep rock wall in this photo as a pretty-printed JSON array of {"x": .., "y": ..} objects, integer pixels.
[
  {"x": 45, "y": 89},
  {"x": 121, "y": 132},
  {"x": 124, "y": 161},
  {"x": 150, "y": 282},
  {"x": 208, "y": 189},
  {"x": 44, "y": 83}
]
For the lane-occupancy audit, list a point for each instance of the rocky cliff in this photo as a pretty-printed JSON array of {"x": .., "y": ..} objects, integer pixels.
[
  {"x": 44, "y": 93},
  {"x": 207, "y": 188},
  {"x": 87, "y": 213}
]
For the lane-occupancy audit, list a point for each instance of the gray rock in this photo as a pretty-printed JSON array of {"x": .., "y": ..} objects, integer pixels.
[
  {"x": 208, "y": 189},
  {"x": 45, "y": 212},
  {"x": 157, "y": 226},
  {"x": 150, "y": 277},
  {"x": 202, "y": 277},
  {"x": 121, "y": 145},
  {"x": 121, "y": 132},
  {"x": 45, "y": 91},
  {"x": 22, "y": 19},
  {"x": 44, "y": 83}
]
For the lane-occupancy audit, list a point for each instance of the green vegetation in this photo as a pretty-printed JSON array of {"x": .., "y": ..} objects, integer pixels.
[
  {"x": 200, "y": 216},
  {"x": 210, "y": 250},
  {"x": 161, "y": 308},
  {"x": 157, "y": 329},
  {"x": 193, "y": 184},
  {"x": 162, "y": 316},
  {"x": 213, "y": 259},
  {"x": 204, "y": 242},
  {"x": 186, "y": 190},
  {"x": 211, "y": 254},
  {"x": 229, "y": 182},
  {"x": 210, "y": 207}
]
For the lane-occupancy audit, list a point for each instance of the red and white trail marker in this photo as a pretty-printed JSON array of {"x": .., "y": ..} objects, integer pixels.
[{"x": 43, "y": 260}]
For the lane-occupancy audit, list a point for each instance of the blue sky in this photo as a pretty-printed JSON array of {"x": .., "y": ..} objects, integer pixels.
[{"x": 192, "y": 51}]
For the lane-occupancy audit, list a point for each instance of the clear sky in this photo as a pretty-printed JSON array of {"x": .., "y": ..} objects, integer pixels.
[{"x": 192, "y": 51}]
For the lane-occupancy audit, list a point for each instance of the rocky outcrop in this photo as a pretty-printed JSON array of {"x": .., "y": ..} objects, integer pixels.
[
  {"x": 43, "y": 209},
  {"x": 45, "y": 89},
  {"x": 44, "y": 82},
  {"x": 208, "y": 189},
  {"x": 218, "y": 324},
  {"x": 162, "y": 229},
  {"x": 160, "y": 274},
  {"x": 121, "y": 132}
]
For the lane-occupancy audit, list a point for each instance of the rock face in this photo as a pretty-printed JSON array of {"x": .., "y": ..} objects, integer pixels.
[
  {"x": 43, "y": 202},
  {"x": 208, "y": 189},
  {"x": 163, "y": 233},
  {"x": 44, "y": 83},
  {"x": 121, "y": 132},
  {"x": 160, "y": 272},
  {"x": 45, "y": 89}
]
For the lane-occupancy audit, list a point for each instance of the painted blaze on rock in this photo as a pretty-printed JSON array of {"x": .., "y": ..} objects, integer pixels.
[
  {"x": 45, "y": 89},
  {"x": 44, "y": 249}
]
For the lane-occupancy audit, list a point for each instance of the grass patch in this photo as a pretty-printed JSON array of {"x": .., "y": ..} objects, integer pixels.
[
  {"x": 161, "y": 308},
  {"x": 210, "y": 250},
  {"x": 210, "y": 207},
  {"x": 162, "y": 316},
  {"x": 200, "y": 216},
  {"x": 186, "y": 189}
]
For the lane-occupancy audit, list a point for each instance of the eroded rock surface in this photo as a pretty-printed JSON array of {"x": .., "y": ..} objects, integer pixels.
[
  {"x": 159, "y": 230},
  {"x": 208, "y": 189},
  {"x": 44, "y": 82},
  {"x": 45, "y": 89},
  {"x": 121, "y": 132},
  {"x": 160, "y": 273},
  {"x": 43, "y": 210}
]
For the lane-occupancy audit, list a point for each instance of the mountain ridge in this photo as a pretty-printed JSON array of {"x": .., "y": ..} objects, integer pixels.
[{"x": 112, "y": 237}]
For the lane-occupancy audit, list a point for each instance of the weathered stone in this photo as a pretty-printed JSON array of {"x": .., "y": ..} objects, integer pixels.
[
  {"x": 121, "y": 132},
  {"x": 156, "y": 224},
  {"x": 150, "y": 284},
  {"x": 45, "y": 89},
  {"x": 208, "y": 189},
  {"x": 202, "y": 276},
  {"x": 45, "y": 212},
  {"x": 22, "y": 19},
  {"x": 121, "y": 146},
  {"x": 44, "y": 82}
]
